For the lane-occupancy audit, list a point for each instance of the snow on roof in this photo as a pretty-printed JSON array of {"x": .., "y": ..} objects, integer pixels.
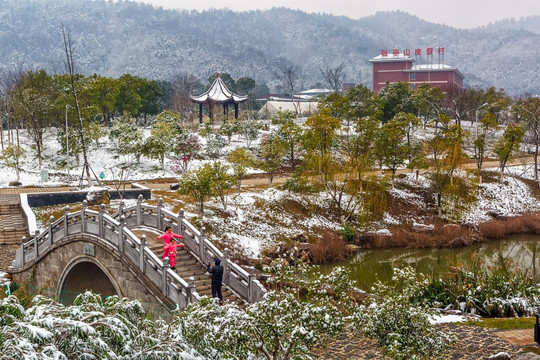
[
  {"x": 303, "y": 106},
  {"x": 315, "y": 91},
  {"x": 391, "y": 57},
  {"x": 218, "y": 93}
]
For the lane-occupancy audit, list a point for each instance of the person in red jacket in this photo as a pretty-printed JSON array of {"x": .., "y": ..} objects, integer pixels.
[
  {"x": 168, "y": 235},
  {"x": 169, "y": 250}
]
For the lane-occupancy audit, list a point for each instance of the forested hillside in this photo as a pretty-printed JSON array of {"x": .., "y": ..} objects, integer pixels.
[{"x": 113, "y": 38}]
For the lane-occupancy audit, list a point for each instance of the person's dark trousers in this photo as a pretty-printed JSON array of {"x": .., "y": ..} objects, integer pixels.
[{"x": 216, "y": 292}]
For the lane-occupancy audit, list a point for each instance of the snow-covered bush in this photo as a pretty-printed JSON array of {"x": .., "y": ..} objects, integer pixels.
[
  {"x": 116, "y": 328},
  {"x": 400, "y": 324},
  {"x": 279, "y": 327}
]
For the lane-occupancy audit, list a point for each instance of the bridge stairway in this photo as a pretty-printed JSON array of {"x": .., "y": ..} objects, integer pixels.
[
  {"x": 12, "y": 227},
  {"x": 187, "y": 265}
]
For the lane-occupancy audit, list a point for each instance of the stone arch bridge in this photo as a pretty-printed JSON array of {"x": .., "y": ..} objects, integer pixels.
[{"x": 94, "y": 250}]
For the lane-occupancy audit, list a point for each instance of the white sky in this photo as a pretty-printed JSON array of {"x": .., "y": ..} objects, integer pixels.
[{"x": 456, "y": 13}]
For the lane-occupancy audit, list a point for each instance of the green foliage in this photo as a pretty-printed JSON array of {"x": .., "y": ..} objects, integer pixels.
[
  {"x": 198, "y": 184},
  {"x": 286, "y": 324},
  {"x": 488, "y": 292},
  {"x": 93, "y": 132},
  {"x": 241, "y": 160},
  {"x": 249, "y": 130},
  {"x": 228, "y": 129},
  {"x": 12, "y": 157},
  {"x": 348, "y": 232},
  {"x": 273, "y": 149},
  {"x": 507, "y": 147},
  {"x": 400, "y": 324},
  {"x": 91, "y": 328},
  {"x": 298, "y": 183},
  {"x": 214, "y": 145},
  {"x": 127, "y": 137}
]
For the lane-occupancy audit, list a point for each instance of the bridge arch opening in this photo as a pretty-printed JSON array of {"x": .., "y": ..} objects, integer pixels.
[{"x": 82, "y": 275}]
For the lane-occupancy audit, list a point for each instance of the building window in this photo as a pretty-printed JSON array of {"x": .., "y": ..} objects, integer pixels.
[
  {"x": 413, "y": 86},
  {"x": 413, "y": 76}
]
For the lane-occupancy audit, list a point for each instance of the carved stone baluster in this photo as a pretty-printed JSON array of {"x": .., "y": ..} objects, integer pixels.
[
  {"x": 142, "y": 263},
  {"x": 159, "y": 221},
  {"x": 101, "y": 225},
  {"x": 180, "y": 225},
  {"x": 164, "y": 285},
  {"x": 23, "y": 241},
  {"x": 139, "y": 210},
  {"x": 51, "y": 237},
  {"x": 121, "y": 244},
  {"x": 190, "y": 290},
  {"x": 66, "y": 220},
  {"x": 201, "y": 244},
  {"x": 226, "y": 266},
  {"x": 83, "y": 216},
  {"x": 251, "y": 285}
]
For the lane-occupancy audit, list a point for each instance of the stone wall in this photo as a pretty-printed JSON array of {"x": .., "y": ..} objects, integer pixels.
[{"x": 51, "y": 269}]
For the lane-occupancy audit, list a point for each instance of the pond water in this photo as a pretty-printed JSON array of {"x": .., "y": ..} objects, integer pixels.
[{"x": 523, "y": 251}]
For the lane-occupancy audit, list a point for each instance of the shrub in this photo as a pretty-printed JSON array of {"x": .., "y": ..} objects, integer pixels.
[
  {"x": 329, "y": 247},
  {"x": 348, "y": 233},
  {"x": 399, "y": 323}
]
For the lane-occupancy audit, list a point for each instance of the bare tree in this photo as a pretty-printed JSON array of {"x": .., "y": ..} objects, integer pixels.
[
  {"x": 70, "y": 67},
  {"x": 184, "y": 85},
  {"x": 334, "y": 76},
  {"x": 289, "y": 82}
]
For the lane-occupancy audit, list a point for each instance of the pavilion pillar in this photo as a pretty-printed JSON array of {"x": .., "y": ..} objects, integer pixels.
[
  {"x": 210, "y": 112},
  {"x": 200, "y": 113},
  {"x": 236, "y": 111}
]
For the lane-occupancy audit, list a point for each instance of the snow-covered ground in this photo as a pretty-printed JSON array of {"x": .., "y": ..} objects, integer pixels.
[{"x": 258, "y": 217}]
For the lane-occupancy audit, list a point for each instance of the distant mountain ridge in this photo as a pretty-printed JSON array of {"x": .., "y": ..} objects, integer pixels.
[{"x": 113, "y": 38}]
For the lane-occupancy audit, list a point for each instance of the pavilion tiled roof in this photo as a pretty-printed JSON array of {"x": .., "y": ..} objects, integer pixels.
[{"x": 218, "y": 93}]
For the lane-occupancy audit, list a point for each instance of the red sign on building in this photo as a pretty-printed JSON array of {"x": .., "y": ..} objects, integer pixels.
[
  {"x": 429, "y": 51},
  {"x": 395, "y": 52},
  {"x": 407, "y": 52},
  {"x": 440, "y": 50},
  {"x": 417, "y": 51},
  {"x": 384, "y": 52}
]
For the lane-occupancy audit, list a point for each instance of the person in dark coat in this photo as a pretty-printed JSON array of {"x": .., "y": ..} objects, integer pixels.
[{"x": 217, "y": 279}]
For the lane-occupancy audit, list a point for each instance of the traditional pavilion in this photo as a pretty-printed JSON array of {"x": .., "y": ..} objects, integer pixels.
[{"x": 218, "y": 93}]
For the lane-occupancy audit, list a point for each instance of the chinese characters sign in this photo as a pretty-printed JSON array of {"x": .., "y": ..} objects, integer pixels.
[{"x": 407, "y": 52}]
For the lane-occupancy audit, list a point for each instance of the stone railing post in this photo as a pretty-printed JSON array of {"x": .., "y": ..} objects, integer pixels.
[
  {"x": 166, "y": 266},
  {"x": 36, "y": 252},
  {"x": 23, "y": 241},
  {"x": 83, "y": 216},
  {"x": 66, "y": 220},
  {"x": 180, "y": 220},
  {"x": 201, "y": 244},
  {"x": 190, "y": 290},
  {"x": 225, "y": 262},
  {"x": 158, "y": 214},
  {"x": 121, "y": 208},
  {"x": 121, "y": 233},
  {"x": 51, "y": 221},
  {"x": 100, "y": 221},
  {"x": 139, "y": 210},
  {"x": 142, "y": 263},
  {"x": 251, "y": 285}
]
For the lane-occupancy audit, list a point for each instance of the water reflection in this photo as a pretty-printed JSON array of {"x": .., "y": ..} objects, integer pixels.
[{"x": 370, "y": 266}]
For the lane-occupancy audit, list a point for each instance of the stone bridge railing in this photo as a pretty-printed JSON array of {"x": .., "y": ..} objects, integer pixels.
[
  {"x": 114, "y": 232},
  {"x": 241, "y": 282}
]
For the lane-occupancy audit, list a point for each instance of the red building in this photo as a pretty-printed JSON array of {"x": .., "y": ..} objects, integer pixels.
[{"x": 399, "y": 66}]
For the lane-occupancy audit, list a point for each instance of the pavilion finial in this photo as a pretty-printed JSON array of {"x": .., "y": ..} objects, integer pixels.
[{"x": 217, "y": 74}]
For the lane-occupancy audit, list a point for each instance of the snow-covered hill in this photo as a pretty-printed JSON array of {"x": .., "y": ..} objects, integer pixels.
[{"x": 117, "y": 37}]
